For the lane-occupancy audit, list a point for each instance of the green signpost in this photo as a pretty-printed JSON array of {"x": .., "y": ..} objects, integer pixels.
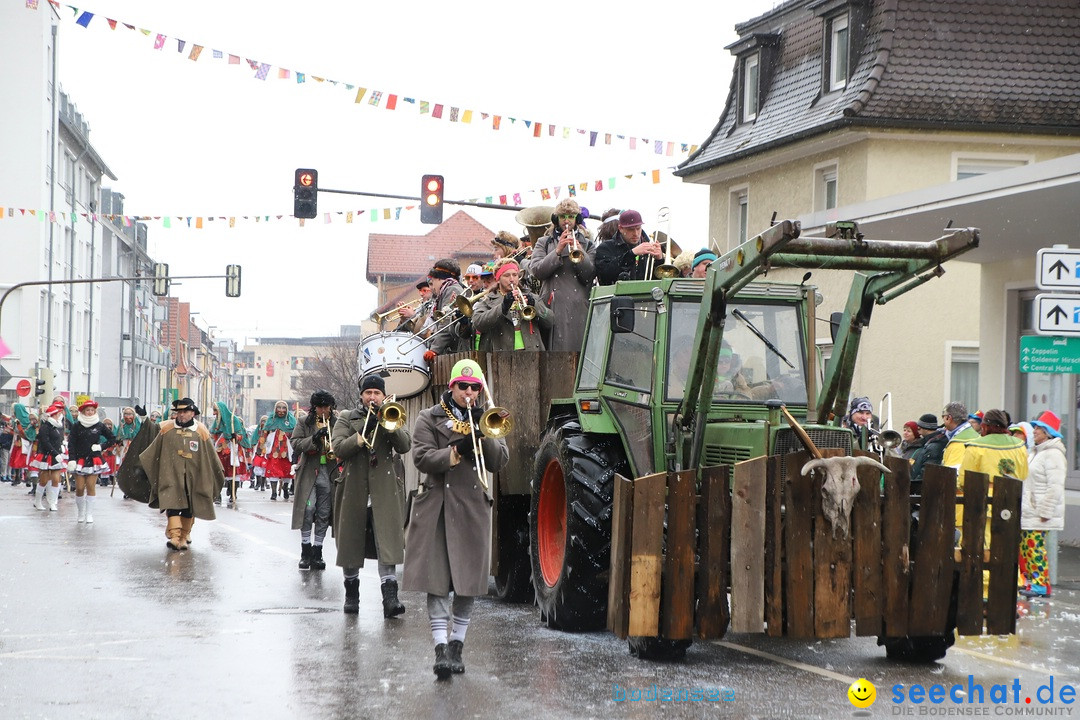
[{"x": 1049, "y": 354}]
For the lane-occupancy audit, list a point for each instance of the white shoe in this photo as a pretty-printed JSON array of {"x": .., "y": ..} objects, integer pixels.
[
  {"x": 52, "y": 493},
  {"x": 89, "y": 517},
  {"x": 38, "y": 497},
  {"x": 80, "y": 503}
]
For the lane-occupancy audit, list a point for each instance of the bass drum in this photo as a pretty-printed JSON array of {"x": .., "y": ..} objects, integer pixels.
[{"x": 399, "y": 358}]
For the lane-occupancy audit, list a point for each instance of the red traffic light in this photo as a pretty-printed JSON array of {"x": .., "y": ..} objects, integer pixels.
[
  {"x": 431, "y": 193},
  {"x": 305, "y": 179}
]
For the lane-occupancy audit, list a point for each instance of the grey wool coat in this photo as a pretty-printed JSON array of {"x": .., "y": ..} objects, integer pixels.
[
  {"x": 308, "y": 467},
  {"x": 185, "y": 472},
  {"x": 564, "y": 287},
  {"x": 448, "y": 543},
  {"x": 496, "y": 328},
  {"x": 357, "y": 481}
]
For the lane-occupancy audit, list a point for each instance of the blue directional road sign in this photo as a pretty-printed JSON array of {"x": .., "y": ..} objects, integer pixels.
[{"x": 1058, "y": 269}]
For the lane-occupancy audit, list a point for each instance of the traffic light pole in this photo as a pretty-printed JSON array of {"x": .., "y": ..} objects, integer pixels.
[{"x": 490, "y": 206}]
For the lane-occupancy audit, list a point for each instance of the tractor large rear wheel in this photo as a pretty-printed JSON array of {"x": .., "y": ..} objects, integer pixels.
[{"x": 570, "y": 525}]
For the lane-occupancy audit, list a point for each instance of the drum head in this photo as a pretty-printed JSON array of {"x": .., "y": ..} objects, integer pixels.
[{"x": 398, "y": 359}]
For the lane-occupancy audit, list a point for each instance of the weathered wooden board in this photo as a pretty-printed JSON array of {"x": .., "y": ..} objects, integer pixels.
[
  {"x": 774, "y": 549},
  {"x": 895, "y": 553},
  {"x": 798, "y": 546},
  {"x": 618, "y": 613},
  {"x": 677, "y": 602},
  {"x": 932, "y": 572},
  {"x": 1004, "y": 556},
  {"x": 712, "y": 581},
  {"x": 832, "y": 569},
  {"x": 748, "y": 546},
  {"x": 646, "y": 561},
  {"x": 969, "y": 600},
  {"x": 867, "y": 595}
]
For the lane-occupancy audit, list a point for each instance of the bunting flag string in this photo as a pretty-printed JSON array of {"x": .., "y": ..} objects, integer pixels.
[
  {"x": 545, "y": 194},
  {"x": 454, "y": 114}
]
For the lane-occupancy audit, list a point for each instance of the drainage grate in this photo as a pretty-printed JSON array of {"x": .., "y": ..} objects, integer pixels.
[{"x": 291, "y": 611}]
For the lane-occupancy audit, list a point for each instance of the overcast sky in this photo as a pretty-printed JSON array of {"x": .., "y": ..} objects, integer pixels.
[{"x": 205, "y": 138}]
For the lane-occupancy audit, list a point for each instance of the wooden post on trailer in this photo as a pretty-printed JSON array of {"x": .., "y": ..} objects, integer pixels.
[
  {"x": 622, "y": 519},
  {"x": 969, "y": 599},
  {"x": 647, "y": 538},
  {"x": 714, "y": 513},
  {"x": 748, "y": 546},
  {"x": 1004, "y": 556},
  {"x": 677, "y": 600},
  {"x": 932, "y": 578}
]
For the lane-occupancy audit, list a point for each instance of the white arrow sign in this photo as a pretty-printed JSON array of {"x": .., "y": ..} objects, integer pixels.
[
  {"x": 1058, "y": 269},
  {"x": 1057, "y": 314}
]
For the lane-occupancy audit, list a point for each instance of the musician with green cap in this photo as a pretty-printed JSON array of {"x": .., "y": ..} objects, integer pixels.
[{"x": 448, "y": 540}]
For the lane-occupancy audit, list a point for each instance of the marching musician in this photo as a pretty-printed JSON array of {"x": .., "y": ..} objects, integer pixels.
[
  {"x": 563, "y": 263},
  {"x": 503, "y": 245},
  {"x": 474, "y": 286},
  {"x": 412, "y": 319},
  {"x": 627, "y": 252},
  {"x": 366, "y": 450},
  {"x": 315, "y": 472},
  {"x": 449, "y": 535},
  {"x": 510, "y": 318},
  {"x": 444, "y": 277}
]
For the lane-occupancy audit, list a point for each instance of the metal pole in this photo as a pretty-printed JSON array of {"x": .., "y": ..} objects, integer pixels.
[{"x": 492, "y": 206}]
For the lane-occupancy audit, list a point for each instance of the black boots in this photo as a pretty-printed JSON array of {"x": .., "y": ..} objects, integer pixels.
[
  {"x": 442, "y": 667},
  {"x": 352, "y": 596},
  {"x": 305, "y": 556},
  {"x": 317, "y": 563},
  {"x": 453, "y": 654},
  {"x": 391, "y": 606}
]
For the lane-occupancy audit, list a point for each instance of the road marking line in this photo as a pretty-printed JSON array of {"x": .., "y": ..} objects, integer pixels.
[
  {"x": 784, "y": 661},
  {"x": 1002, "y": 661},
  {"x": 256, "y": 540}
]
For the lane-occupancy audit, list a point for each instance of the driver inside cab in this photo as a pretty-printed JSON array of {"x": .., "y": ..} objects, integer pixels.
[{"x": 730, "y": 381}]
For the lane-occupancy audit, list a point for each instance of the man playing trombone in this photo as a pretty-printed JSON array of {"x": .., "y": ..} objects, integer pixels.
[
  {"x": 449, "y": 536},
  {"x": 444, "y": 276},
  {"x": 563, "y": 262},
  {"x": 627, "y": 253},
  {"x": 510, "y": 318},
  {"x": 365, "y": 440},
  {"x": 315, "y": 472}
]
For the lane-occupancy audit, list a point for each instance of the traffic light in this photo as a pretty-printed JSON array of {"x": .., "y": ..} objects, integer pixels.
[
  {"x": 161, "y": 279},
  {"x": 232, "y": 281},
  {"x": 306, "y": 193},
  {"x": 43, "y": 385},
  {"x": 431, "y": 199}
]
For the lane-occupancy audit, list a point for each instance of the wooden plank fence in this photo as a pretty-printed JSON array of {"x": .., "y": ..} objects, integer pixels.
[{"x": 764, "y": 537}]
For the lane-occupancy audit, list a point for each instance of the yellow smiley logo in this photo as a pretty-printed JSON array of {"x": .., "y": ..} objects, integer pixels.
[{"x": 862, "y": 693}]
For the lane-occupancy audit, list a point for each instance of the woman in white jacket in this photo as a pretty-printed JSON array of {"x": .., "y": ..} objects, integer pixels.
[{"x": 1043, "y": 506}]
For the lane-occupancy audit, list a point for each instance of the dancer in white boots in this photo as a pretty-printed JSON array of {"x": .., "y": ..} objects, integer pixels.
[
  {"x": 88, "y": 438},
  {"x": 49, "y": 458}
]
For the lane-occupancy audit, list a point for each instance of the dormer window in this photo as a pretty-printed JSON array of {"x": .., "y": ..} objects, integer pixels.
[
  {"x": 750, "y": 88},
  {"x": 838, "y": 53}
]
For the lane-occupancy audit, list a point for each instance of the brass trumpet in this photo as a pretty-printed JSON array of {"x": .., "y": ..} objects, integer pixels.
[
  {"x": 466, "y": 305},
  {"x": 576, "y": 253},
  {"x": 528, "y": 312},
  {"x": 382, "y": 317}
]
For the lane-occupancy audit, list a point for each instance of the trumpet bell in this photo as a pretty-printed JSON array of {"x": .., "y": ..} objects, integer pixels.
[
  {"x": 890, "y": 439},
  {"x": 577, "y": 255},
  {"x": 493, "y": 424},
  {"x": 528, "y": 312},
  {"x": 664, "y": 272},
  {"x": 392, "y": 416}
]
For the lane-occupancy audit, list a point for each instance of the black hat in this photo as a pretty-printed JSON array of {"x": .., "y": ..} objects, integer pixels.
[
  {"x": 185, "y": 404},
  {"x": 927, "y": 421},
  {"x": 372, "y": 381},
  {"x": 321, "y": 398},
  {"x": 423, "y": 284}
]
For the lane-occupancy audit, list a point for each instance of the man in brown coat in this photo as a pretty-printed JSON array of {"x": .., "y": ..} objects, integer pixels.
[
  {"x": 315, "y": 475},
  {"x": 563, "y": 263},
  {"x": 184, "y": 471},
  {"x": 448, "y": 543},
  {"x": 369, "y": 471}
]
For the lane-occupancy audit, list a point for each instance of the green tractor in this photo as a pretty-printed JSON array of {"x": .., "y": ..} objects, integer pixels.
[{"x": 683, "y": 374}]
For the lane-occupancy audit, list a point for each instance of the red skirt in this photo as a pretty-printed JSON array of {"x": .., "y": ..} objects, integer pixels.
[
  {"x": 47, "y": 461},
  {"x": 226, "y": 463},
  {"x": 277, "y": 468},
  {"x": 93, "y": 465},
  {"x": 18, "y": 459}
]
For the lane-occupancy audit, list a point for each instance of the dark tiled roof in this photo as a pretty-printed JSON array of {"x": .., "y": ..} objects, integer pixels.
[
  {"x": 948, "y": 64},
  {"x": 402, "y": 258}
]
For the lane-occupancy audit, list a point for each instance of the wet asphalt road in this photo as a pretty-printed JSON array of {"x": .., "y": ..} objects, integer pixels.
[{"x": 102, "y": 621}]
